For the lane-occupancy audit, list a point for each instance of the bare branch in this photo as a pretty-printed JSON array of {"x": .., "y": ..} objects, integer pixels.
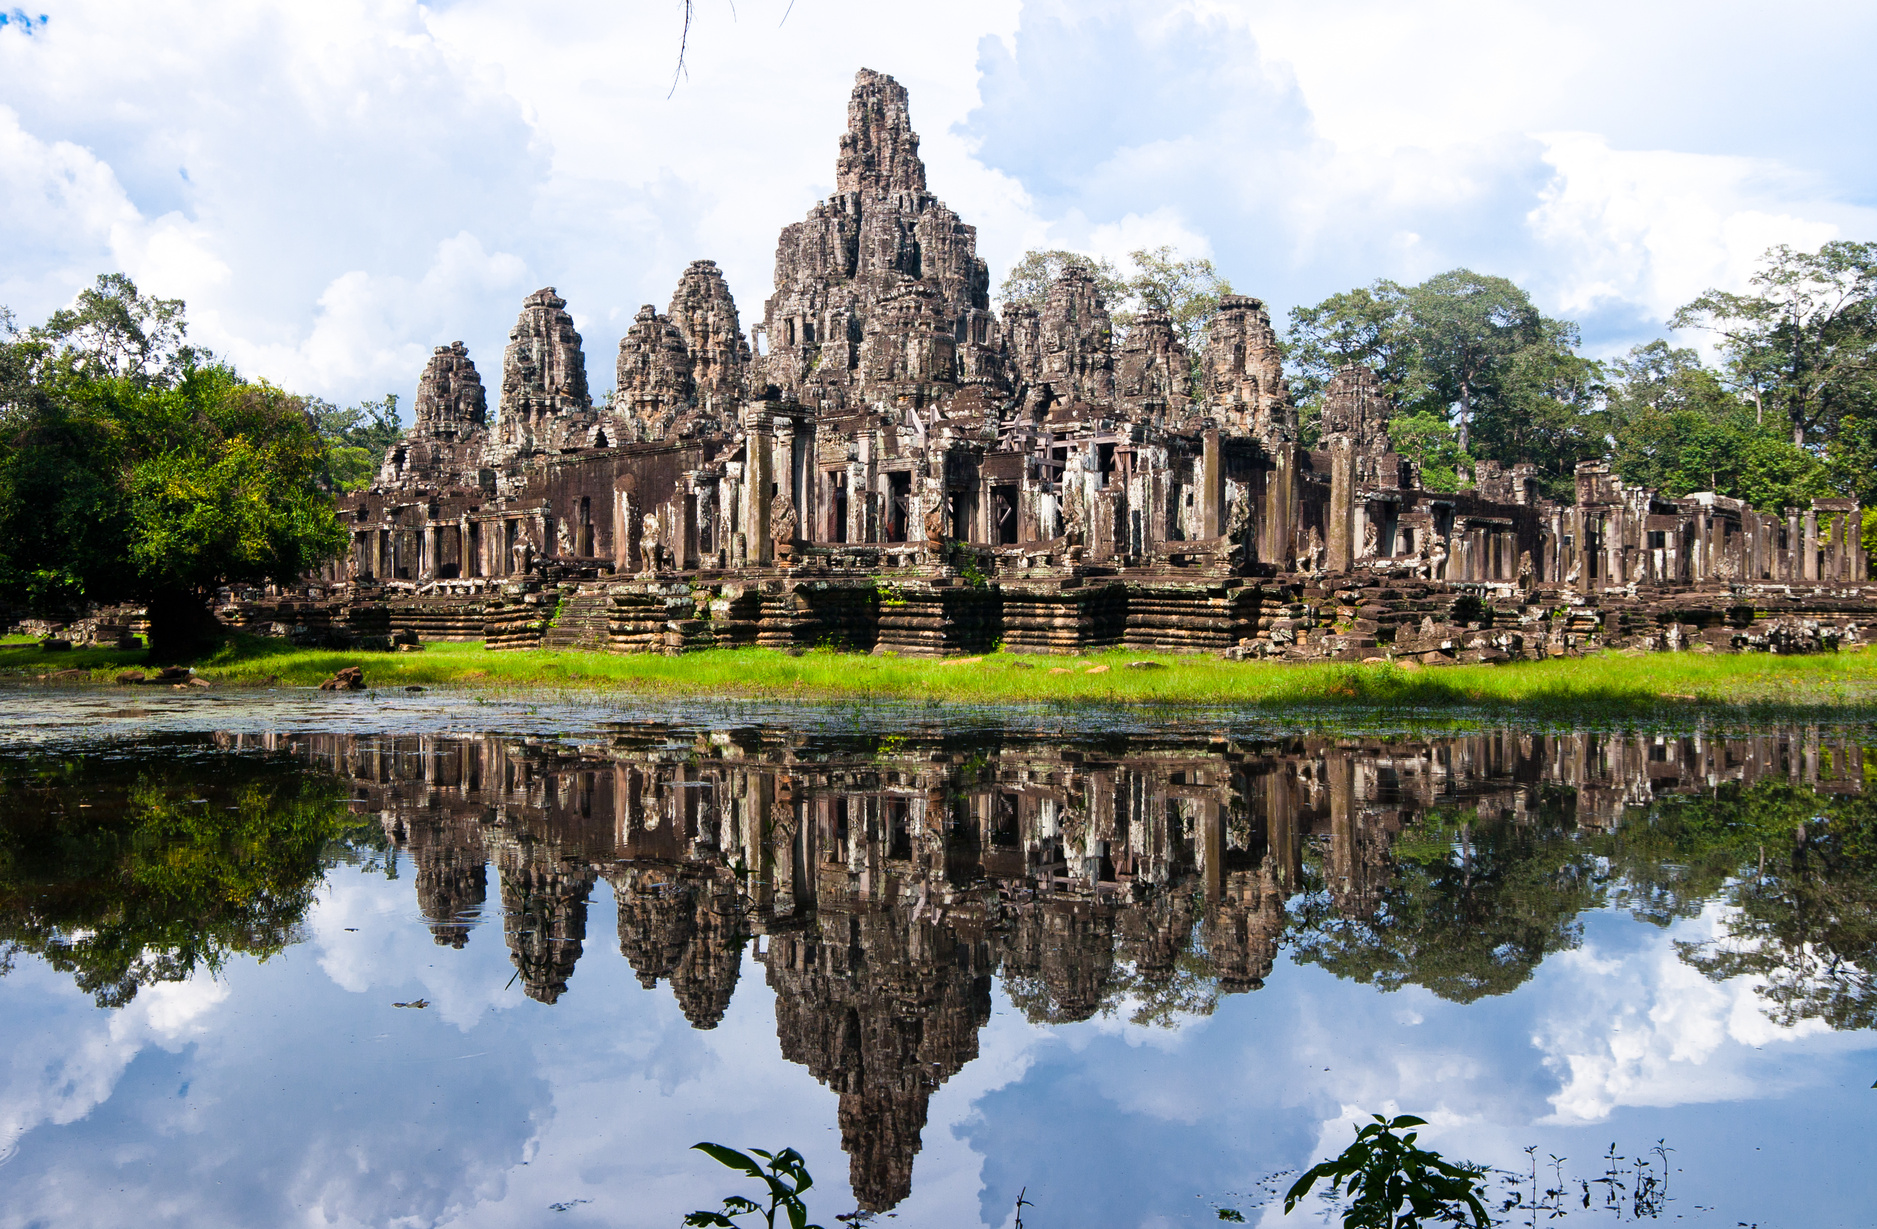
[{"x": 684, "y": 43}]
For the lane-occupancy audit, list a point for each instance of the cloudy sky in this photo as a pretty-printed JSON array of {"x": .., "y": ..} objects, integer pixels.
[{"x": 336, "y": 188}]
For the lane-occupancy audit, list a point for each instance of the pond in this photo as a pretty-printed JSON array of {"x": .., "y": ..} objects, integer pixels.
[{"x": 427, "y": 959}]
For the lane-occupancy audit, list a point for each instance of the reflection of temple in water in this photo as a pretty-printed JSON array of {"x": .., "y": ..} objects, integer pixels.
[{"x": 886, "y": 881}]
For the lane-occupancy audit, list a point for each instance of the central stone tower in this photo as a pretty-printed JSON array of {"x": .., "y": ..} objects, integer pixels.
[{"x": 880, "y": 267}]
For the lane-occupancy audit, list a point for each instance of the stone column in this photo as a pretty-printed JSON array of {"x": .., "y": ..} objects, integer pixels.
[
  {"x": 1211, "y": 486},
  {"x": 758, "y": 477},
  {"x": 1278, "y": 528},
  {"x": 1858, "y": 560},
  {"x": 1809, "y": 561},
  {"x": 1340, "y": 515}
]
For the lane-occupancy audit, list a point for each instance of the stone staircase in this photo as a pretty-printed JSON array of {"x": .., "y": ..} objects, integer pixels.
[{"x": 581, "y": 623}]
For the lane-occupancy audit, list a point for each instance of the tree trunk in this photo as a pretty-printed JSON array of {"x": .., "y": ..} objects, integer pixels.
[
  {"x": 1466, "y": 416},
  {"x": 182, "y": 627}
]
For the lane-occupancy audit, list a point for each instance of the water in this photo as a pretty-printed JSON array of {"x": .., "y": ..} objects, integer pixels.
[{"x": 413, "y": 960}]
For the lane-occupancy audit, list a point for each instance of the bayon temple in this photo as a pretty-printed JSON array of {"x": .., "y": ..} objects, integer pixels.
[{"x": 882, "y": 462}]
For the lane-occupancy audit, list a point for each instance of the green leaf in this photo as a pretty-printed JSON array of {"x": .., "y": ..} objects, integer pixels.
[{"x": 729, "y": 1157}]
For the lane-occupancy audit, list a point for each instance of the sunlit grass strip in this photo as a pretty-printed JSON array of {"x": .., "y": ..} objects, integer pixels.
[{"x": 1605, "y": 681}]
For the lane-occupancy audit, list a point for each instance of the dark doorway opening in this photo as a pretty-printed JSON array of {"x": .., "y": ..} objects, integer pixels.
[
  {"x": 1004, "y": 515},
  {"x": 898, "y": 505}
]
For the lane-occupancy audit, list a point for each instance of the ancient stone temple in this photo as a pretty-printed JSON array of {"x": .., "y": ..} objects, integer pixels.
[{"x": 886, "y": 463}]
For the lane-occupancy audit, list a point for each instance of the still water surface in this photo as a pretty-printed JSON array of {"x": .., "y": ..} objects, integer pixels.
[{"x": 280, "y": 960}]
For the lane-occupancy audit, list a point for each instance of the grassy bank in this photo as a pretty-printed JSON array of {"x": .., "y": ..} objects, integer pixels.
[{"x": 1606, "y": 682}]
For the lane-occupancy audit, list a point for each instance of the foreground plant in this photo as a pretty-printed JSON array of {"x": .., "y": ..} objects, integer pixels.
[
  {"x": 1382, "y": 1171},
  {"x": 785, "y": 1174}
]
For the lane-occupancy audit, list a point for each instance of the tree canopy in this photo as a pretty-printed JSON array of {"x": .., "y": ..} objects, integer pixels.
[
  {"x": 357, "y": 438},
  {"x": 1787, "y": 412},
  {"x": 1467, "y": 351},
  {"x": 136, "y": 468},
  {"x": 1188, "y": 289},
  {"x": 1027, "y": 284},
  {"x": 1802, "y": 343},
  {"x": 1675, "y": 427}
]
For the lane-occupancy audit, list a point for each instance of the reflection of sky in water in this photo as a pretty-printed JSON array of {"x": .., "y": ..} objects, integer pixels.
[{"x": 292, "y": 1092}]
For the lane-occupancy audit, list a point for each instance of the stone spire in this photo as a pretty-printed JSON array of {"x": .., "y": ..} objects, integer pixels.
[
  {"x": 544, "y": 373},
  {"x": 879, "y": 151},
  {"x": 705, "y": 313},
  {"x": 1244, "y": 372},
  {"x": 1153, "y": 372},
  {"x": 449, "y": 394},
  {"x": 1074, "y": 345},
  {"x": 880, "y": 231},
  {"x": 654, "y": 371},
  {"x": 1354, "y": 405},
  {"x": 447, "y": 438}
]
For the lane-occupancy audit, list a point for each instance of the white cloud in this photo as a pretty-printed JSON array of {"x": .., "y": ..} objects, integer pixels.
[
  {"x": 336, "y": 189},
  {"x": 1654, "y": 228}
]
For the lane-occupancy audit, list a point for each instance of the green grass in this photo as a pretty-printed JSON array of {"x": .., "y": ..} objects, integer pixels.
[{"x": 1608, "y": 683}]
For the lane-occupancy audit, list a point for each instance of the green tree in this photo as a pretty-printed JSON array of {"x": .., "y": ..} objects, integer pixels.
[
  {"x": 1468, "y": 327},
  {"x": 1676, "y": 428},
  {"x": 1029, "y": 280},
  {"x": 1188, "y": 290},
  {"x": 1851, "y": 458},
  {"x": 113, "y": 332},
  {"x": 357, "y": 438},
  {"x": 1802, "y": 343},
  {"x": 1430, "y": 441},
  {"x": 1549, "y": 410},
  {"x": 1466, "y": 348},
  {"x": 1366, "y": 325},
  {"x": 140, "y": 470}
]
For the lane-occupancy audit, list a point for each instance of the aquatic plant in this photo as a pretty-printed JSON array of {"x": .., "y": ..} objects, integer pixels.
[
  {"x": 1393, "y": 1184},
  {"x": 785, "y": 1175}
]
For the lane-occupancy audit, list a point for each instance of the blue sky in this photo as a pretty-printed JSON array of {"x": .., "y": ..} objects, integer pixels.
[{"x": 335, "y": 189}]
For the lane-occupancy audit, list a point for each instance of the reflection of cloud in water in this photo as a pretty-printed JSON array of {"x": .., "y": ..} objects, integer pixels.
[
  {"x": 66, "y": 1059},
  {"x": 263, "y": 1099},
  {"x": 366, "y": 940},
  {"x": 1641, "y": 1027}
]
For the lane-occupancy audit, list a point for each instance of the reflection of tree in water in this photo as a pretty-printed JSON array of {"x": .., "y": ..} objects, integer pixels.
[
  {"x": 1799, "y": 870},
  {"x": 1464, "y": 907},
  {"x": 126, "y": 870}
]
